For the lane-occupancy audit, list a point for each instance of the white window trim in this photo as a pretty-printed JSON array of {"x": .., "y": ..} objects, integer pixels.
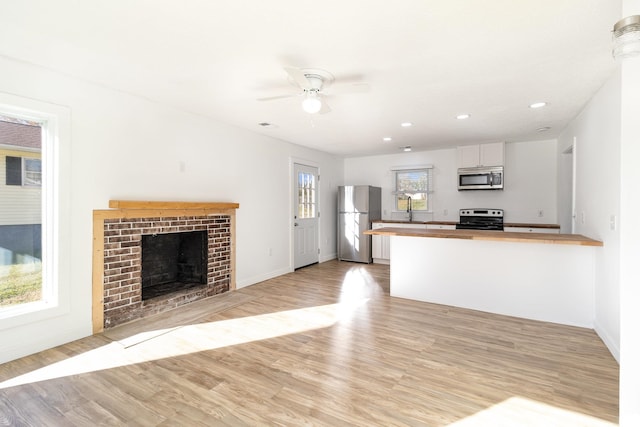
[
  {"x": 15, "y": 148},
  {"x": 406, "y": 168},
  {"x": 411, "y": 167},
  {"x": 55, "y": 156}
]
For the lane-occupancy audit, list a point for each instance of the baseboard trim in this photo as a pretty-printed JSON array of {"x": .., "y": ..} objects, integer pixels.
[
  {"x": 328, "y": 257},
  {"x": 262, "y": 277},
  {"x": 613, "y": 347}
]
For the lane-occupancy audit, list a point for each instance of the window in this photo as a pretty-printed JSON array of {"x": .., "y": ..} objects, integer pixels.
[
  {"x": 32, "y": 172},
  {"x": 306, "y": 195},
  {"x": 22, "y": 274},
  {"x": 23, "y": 171},
  {"x": 412, "y": 185},
  {"x": 40, "y": 225}
]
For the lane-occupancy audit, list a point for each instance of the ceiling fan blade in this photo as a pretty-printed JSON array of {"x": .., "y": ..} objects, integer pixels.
[
  {"x": 340, "y": 88},
  {"x": 272, "y": 98},
  {"x": 325, "y": 107},
  {"x": 298, "y": 76}
]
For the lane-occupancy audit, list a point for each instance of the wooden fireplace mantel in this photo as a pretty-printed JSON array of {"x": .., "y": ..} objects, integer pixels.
[
  {"x": 147, "y": 209},
  {"x": 136, "y": 204}
]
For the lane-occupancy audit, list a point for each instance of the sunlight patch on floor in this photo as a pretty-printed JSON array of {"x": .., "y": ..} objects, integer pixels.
[
  {"x": 522, "y": 412},
  {"x": 356, "y": 287},
  {"x": 175, "y": 342}
]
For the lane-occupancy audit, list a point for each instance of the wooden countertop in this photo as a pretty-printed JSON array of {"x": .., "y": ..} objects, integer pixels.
[
  {"x": 506, "y": 224},
  {"x": 503, "y": 236}
]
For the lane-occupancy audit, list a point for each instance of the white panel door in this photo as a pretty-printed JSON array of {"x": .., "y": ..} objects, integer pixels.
[{"x": 305, "y": 216}]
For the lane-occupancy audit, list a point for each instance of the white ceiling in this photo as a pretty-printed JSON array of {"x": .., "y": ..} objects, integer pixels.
[{"x": 424, "y": 61}]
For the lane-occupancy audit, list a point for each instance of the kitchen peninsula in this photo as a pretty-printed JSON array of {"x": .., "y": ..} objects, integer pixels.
[{"x": 547, "y": 277}]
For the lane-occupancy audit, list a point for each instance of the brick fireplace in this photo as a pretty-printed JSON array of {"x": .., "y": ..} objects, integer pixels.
[{"x": 118, "y": 259}]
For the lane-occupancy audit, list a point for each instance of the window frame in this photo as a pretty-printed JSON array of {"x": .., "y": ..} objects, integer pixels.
[
  {"x": 19, "y": 178},
  {"x": 55, "y": 225},
  {"x": 307, "y": 196},
  {"x": 398, "y": 193},
  {"x": 26, "y": 181}
]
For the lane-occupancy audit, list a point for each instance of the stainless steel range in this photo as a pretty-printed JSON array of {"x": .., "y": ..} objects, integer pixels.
[{"x": 481, "y": 219}]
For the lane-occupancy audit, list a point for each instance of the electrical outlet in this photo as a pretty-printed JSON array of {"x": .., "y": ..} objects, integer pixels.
[
  {"x": 583, "y": 218},
  {"x": 540, "y": 213},
  {"x": 270, "y": 251},
  {"x": 613, "y": 222},
  {"x": 445, "y": 212}
]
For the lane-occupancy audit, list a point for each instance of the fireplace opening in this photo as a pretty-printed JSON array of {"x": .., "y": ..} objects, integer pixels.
[{"x": 173, "y": 262}]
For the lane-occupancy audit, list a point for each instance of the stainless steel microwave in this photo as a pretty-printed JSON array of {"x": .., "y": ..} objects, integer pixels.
[{"x": 481, "y": 178}]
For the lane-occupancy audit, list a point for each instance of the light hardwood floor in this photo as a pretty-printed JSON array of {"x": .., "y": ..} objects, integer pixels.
[{"x": 325, "y": 345}]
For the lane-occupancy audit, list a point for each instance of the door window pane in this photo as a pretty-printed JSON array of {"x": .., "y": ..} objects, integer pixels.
[{"x": 306, "y": 195}]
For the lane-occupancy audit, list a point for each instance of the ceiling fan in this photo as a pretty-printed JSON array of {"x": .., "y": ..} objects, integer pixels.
[{"x": 314, "y": 84}]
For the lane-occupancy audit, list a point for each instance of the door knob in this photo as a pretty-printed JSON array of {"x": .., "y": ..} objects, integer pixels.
[{"x": 295, "y": 224}]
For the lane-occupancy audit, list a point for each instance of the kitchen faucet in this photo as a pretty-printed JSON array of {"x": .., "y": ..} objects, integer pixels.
[{"x": 409, "y": 211}]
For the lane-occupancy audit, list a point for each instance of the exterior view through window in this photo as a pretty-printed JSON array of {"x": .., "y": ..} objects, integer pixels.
[
  {"x": 306, "y": 195},
  {"x": 20, "y": 212},
  {"x": 412, "y": 184}
]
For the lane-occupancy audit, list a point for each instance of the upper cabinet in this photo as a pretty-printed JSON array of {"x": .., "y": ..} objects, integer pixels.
[{"x": 471, "y": 156}]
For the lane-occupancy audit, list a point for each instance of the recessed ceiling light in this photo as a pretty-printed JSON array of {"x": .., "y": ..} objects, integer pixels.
[
  {"x": 543, "y": 129},
  {"x": 386, "y": 139},
  {"x": 463, "y": 116},
  {"x": 406, "y": 148},
  {"x": 537, "y": 105},
  {"x": 406, "y": 124}
]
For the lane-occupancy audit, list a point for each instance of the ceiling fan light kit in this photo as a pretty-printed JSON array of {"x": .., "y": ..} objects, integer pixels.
[
  {"x": 313, "y": 84},
  {"x": 626, "y": 37},
  {"x": 311, "y": 102}
]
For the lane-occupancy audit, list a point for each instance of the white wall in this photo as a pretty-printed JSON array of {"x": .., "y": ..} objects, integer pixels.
[
  {"x": 565, "y": 188},
  {"x": 630, "y": 235},
  {"x": 530, "y": 182},
  {"x": 124, "y": 147},
  {"x": 596, "y": 131}
]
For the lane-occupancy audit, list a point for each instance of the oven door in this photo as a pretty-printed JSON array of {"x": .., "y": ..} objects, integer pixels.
[{"x": 486, "y": 226}]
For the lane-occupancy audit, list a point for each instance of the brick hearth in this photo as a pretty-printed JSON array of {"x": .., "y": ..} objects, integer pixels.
[{"x": 118, "y": 259}]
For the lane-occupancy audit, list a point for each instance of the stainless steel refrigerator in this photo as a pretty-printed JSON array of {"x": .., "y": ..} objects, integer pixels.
[{"x": 358, "y": 205}]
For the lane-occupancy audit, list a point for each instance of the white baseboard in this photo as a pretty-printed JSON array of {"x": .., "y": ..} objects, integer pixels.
[
  {"x": 261, "y": 277},
  {"x": 613, "y": 347},
  {"x": 328, "y": 257},
  {"x": 36, "y": 343}
]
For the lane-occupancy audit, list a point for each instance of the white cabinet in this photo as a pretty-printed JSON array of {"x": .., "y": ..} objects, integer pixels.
[
  {"x": 380, "y": 246},
  {"x": 533, "y": 230},
  {"x": 468, "y": 156},
  {"x": 441, "y": 227},
  {"x": 471, "y": 156}
]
